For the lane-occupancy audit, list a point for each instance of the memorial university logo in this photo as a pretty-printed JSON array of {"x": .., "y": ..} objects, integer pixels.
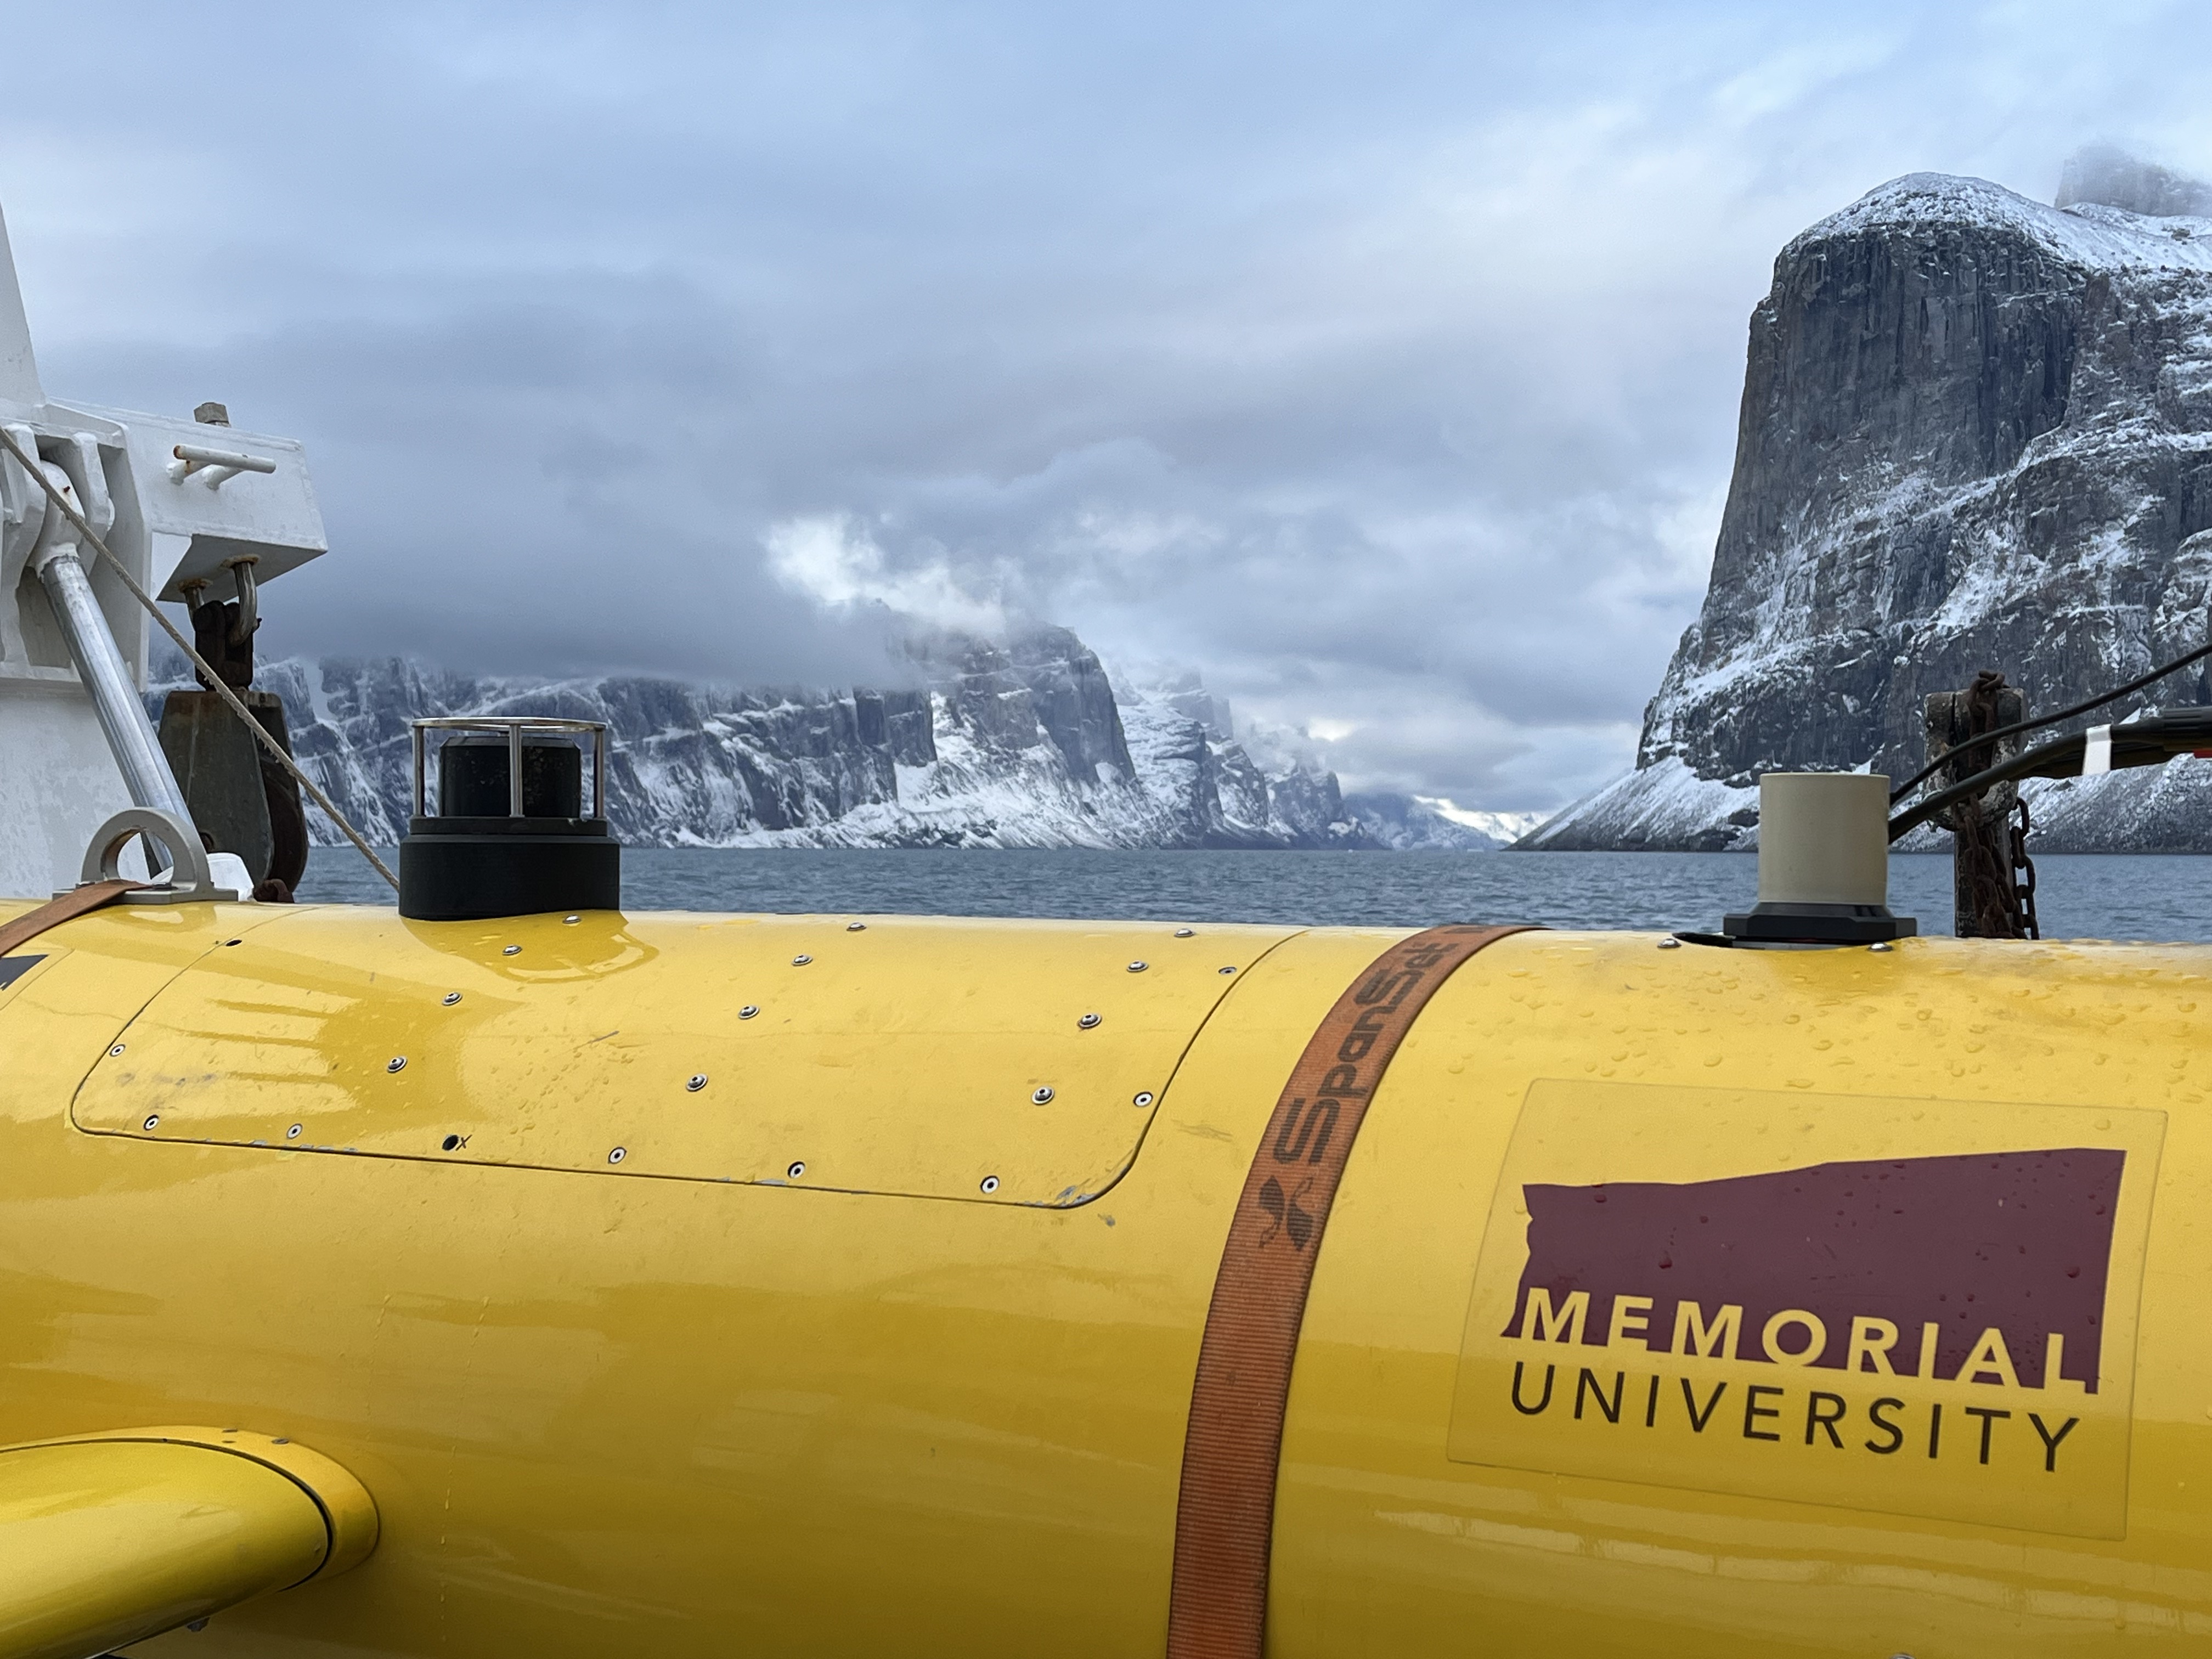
[{"x": 1947, "y": 1329}]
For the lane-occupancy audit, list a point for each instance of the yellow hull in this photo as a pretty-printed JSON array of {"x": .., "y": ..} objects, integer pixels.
[{"x": 789, "y": 1378}]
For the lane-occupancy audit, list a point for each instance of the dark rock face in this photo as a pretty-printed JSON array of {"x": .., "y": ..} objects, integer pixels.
[
  {"x": 1975, "y": 432},
  {"x": 1045, "y": 680},
  {"x": 1020, "y": 744},
  {"x": 1073, "y": 700},
  {"x": 684, "y": 761},
  {"x": 898, "y": 723}
]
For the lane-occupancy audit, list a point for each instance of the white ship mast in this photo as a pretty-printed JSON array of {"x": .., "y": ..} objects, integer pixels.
[{"x": 186, "y": 503}]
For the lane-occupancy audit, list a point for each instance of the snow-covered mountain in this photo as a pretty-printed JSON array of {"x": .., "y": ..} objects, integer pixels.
[
  {"x": 1975, "y": 433},
  {"x": 1026, "y": 743},
  {"x": 1411, "y": 823}
]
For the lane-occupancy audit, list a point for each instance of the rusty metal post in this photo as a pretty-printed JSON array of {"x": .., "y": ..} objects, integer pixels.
[{"x": 1992, "y": 881}]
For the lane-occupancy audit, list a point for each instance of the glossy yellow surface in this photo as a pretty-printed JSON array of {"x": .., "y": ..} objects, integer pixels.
[
  {"x": 701, "y": 1415},
  {"x": 1004, "y": 1062},
  {"x": 107, "y": 1540},
  {"x": 1384, "y": 1541}
]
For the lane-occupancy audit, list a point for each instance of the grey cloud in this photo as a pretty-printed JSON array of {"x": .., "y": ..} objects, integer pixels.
[{"x": 1381, "y": 363}]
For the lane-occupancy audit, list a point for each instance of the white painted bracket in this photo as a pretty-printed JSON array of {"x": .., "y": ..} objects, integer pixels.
[{"x": 213, "y": 466}]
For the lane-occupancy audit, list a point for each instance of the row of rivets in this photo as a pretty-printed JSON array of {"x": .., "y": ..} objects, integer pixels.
[{"x": 798, "y": 1169}]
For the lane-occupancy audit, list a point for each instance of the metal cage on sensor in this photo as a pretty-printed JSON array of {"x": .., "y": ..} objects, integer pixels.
[
  {"x": 511, "y": 835},
  {"x": 514, "y": 728}
]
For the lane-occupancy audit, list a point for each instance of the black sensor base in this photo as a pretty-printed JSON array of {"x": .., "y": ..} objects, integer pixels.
[
  {"x": 555, "y": 864},
  {"x": 1819, "y": 924}
]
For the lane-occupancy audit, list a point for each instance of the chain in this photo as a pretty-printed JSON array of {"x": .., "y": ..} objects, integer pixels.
[{"x": 2023, "y": 876}]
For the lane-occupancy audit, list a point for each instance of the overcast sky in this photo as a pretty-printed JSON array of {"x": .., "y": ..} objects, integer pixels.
[{"x": 1378, "y": 362}]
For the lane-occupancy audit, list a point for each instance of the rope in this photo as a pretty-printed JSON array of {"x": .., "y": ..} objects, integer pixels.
[{"x": 208, "y": 674}]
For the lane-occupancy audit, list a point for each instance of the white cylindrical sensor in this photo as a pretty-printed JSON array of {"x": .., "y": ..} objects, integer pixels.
[{"x": 1823, "y": 838}]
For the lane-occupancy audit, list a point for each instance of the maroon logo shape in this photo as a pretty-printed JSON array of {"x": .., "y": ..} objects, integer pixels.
[{"x": 2020, "y": 1241}]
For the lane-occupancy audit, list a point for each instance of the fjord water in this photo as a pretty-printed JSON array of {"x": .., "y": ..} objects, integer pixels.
[{"x": 2141, "y": 897}]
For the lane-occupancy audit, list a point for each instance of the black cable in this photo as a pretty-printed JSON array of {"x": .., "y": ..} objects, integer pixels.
[
  {"x": 1980, "y": 738},
  {"x": 2137, "y": 743}
]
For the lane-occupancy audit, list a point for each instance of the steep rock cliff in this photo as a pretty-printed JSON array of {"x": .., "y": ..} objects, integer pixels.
[
  {"x": 1975, "y": 432},
  {"x": 1023, "y": 743}
]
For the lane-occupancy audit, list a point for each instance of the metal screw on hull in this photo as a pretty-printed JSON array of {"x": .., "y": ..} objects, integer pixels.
[
  {"x": 397, "y": 1063},
  {"x": 451, "y": 998},
  {"x": 153, "y": 1122},
  {"x": 990, "y": 1183},
  {"x": 801, "y": 960},
  {"x": 570, "y": 922},
  {"x": 749, "y": 1010},
  {"x": 698, "y": 1082},
  {"x": 1144, "y": 1097},
  {"x": 856, "y": 926},
  {"x": 1670, "y": 945},
  {"x": 796, "y": 1169},
  {"x": 1186, "y": 933},
  {"x": 293, "y": 1133},
  {"x": 1882, "y": 945},
  {"x": 1224, "y": 970},
  {"x": 618, "y": 1155},
  {"x": 1088, "y": 1022},
  {"x": 116, "y": 1050},
  {"x": 512, "y": 950},
  {"x": 1043, "y": 1096},
  {"x": 1139, "y": 967}
]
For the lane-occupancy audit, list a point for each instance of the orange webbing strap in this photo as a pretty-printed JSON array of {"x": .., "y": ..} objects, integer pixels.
[
  {"x": 1225, "y": 1516},
  {"x": 77, "y": 901}
]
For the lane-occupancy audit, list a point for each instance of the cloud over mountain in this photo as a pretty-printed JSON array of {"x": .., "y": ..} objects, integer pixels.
[{"x": 1379, "y": 361}]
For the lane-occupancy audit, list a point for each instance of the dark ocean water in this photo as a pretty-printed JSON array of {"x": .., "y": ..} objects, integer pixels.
[{"x": 2142, "y": 898}]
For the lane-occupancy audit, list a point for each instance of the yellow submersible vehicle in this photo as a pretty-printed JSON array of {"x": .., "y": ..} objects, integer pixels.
[{"x": 511, "y": 1274}]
